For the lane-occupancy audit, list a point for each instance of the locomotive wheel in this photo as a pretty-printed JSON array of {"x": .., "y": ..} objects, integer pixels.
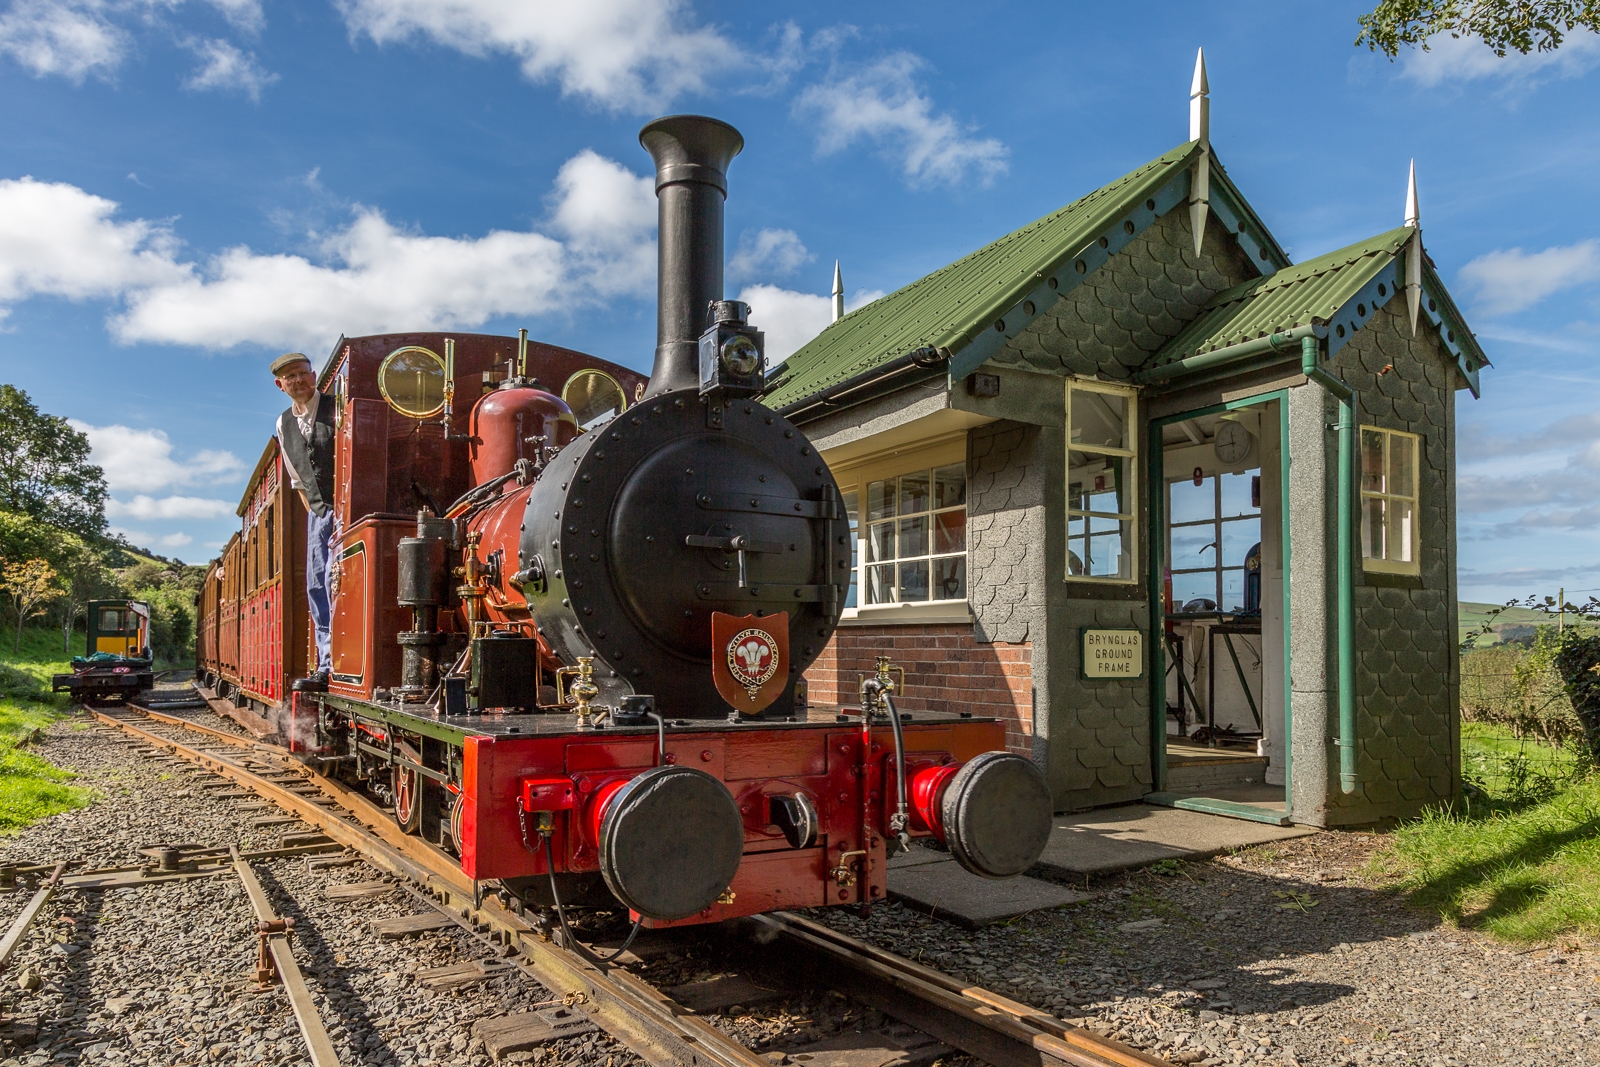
[
  {"x": 457, "y": 806},
  {"x": 997, "y": 815},
  {"x": 406, "y": 785}
]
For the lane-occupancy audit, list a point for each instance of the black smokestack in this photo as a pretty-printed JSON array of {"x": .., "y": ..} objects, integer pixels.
[{"x": 691, "y": 154}]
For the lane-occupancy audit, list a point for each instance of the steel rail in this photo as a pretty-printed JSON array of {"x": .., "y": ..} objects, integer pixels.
[
  {"x": 30, "y": 911},
  {"x": 975, "y": 1020},
  {"x": 276, "y": 930},
  {"x": 657, "y": 1028}
]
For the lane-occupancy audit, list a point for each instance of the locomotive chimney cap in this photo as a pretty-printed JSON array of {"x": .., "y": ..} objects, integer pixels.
[{"x": 691, "y": 148}]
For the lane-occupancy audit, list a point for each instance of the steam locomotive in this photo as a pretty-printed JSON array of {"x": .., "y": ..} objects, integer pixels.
[{"x": 572, "y": 620}]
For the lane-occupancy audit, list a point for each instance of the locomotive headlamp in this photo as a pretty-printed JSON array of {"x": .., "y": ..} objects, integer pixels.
[
  {"x": 740, "y": 356},
  {"x": 731, "y": 362}
]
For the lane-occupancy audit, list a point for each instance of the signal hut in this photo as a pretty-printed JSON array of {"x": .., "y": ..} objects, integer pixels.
[{"x": 1180, "y": 510}]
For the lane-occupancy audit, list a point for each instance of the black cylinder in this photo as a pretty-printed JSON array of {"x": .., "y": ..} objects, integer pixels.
[
  {"x": 691, "y": 154},
  {"x": 421, "y": 571}
]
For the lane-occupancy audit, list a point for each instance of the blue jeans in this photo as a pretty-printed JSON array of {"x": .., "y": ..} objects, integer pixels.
[{"x": 319, "y": 567}]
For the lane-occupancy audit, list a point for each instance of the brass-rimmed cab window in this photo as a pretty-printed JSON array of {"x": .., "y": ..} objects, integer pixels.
[
  {"x": 595, "y": 397},
  {"x": 1102, "y": 481},
  {"x": 412, "y": 381}
]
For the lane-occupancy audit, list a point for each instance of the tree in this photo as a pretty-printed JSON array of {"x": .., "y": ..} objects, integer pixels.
[
  {"x": 86, "y": 575},
  {"x": 1504, "y": 25},
  {"x": 31, "y": 584},
  {"x": 47, "y": 473}
]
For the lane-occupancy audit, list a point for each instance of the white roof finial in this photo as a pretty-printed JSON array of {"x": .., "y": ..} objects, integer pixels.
[
  {"x": 1200, "y": 130},
  {"x": 838, "y": 293},
  {"x": 1413, "y": 216},
  {"x": 1413, "y": 250},
  {"x": 1200, "y": 101}
]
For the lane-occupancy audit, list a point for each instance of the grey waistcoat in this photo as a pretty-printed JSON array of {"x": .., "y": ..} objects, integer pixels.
[{"x": 312, "y": 462}]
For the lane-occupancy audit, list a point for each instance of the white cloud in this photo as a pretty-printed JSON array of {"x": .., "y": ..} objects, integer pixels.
[
  {"x": 174, "y": 540},
  {"x": 882, "y": 103},
  {"x": 1509, "y": 280},
  {"x": 1468, "y": 59},
  {"x": 223, "y": 66},
  {"x": 369, "y": 277},
  {"x": 56, "y": 239},
  {"x": 145, "y": 508},
  {"x": 244, "y": 14},
  {"x": 72, "y": 38},
  {"x": 621, "y": 54},
  {"x": 78, "y": 38},
  {"x": 773, "y": 252},
  {"x": 790, "y": 319},
  {"x": 141, "y": 461}
]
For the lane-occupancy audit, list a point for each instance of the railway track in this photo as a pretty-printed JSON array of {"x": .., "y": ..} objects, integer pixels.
[{"x": 662, "y": 1031}]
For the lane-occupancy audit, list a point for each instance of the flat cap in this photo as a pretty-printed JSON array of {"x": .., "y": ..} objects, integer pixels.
[{"x": 287, "y": 360}]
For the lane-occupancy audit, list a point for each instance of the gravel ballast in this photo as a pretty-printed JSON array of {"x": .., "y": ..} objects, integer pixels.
[
  {"x": 163, "y": 974},
  {"x": 1278, "y": 954},
  {"x": 1282, "y": 954}
]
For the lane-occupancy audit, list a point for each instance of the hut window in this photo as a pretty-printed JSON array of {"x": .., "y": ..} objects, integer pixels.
[
  {"x": 1102, "y": 475},
  {"x": 1389, "y": 509},
  {"x": 916, "y": 536}
]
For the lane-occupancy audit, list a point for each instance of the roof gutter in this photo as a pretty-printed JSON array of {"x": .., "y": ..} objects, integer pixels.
[
  {"x": 1258, "y": 346},
  {"x": 903, "y": 370}
]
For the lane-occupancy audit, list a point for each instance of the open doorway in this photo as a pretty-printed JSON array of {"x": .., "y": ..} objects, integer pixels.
[{"x": 1221, "y": 542}]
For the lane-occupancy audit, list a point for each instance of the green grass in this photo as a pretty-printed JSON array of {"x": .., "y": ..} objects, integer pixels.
[
  {"x": 1520, "y": 859},
  {"x": 30, "y": 787},
  {"x": 1514, "y": 770}
]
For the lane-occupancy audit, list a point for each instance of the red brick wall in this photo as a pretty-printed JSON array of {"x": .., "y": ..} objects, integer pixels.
[{"x": 947, "y": 670}]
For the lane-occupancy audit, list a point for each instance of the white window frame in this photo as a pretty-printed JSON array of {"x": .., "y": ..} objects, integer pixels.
[
  {"x": 1382, "y": 564},
  {"x": 854, "y": 476},
  {"x": 1130, "y": 498}
]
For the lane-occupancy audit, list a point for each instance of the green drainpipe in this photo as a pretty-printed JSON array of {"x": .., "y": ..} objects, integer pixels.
[{"x": 1310, "y": 366}]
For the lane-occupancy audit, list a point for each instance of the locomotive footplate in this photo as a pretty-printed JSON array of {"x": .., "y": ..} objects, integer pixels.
[{"x": 812, "y": 797}]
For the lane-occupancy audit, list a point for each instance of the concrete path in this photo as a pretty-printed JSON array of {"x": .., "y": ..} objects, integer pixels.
[
  {"x": 934, "y": 883},
  {"x": 1114, "y": 839},
  {"x": 1093, "y": 842}
]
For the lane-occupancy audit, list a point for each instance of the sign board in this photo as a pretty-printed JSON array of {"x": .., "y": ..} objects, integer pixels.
[{"x": 1113, "y": 653}]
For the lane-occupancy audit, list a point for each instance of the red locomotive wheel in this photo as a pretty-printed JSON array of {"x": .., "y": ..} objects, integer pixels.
[
  {"x": 457, "y": 804},
  {"x": 406, "y": 784}
]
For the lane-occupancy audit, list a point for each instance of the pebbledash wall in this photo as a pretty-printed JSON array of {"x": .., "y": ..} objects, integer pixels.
[{"x": 1407, "y": 659}]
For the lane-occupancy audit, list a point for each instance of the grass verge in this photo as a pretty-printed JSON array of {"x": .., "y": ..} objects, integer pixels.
[
  {"x": 31, "y": 788},
  {"x": 1520, "y": 861}
]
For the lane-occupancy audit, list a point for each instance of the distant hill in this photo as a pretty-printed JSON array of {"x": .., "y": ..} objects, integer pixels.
[{"x": 1510, "y": 625}]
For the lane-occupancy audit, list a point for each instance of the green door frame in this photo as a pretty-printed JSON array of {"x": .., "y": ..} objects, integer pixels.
[{"x": 1156, "y": 479}]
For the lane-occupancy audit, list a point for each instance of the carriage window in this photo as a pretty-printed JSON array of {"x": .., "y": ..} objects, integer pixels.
[
  {"x": 1101, "y": 482},
  {"x": 916, "y": 537},
  {"x": 594, "y": 397},
  {"x": 1389, "y": 500}
]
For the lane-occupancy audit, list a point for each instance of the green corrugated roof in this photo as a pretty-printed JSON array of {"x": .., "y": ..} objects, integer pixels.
[
  {"x": 1305, "y": 294},
  {"x": 946, "y": 308}
]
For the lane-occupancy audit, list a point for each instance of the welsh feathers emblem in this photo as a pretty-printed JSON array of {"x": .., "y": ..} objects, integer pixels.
[{"x": 750, "y": 658}]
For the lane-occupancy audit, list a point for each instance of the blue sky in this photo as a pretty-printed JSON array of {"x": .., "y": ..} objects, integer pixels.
[{"x": 189, "y": 187}]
